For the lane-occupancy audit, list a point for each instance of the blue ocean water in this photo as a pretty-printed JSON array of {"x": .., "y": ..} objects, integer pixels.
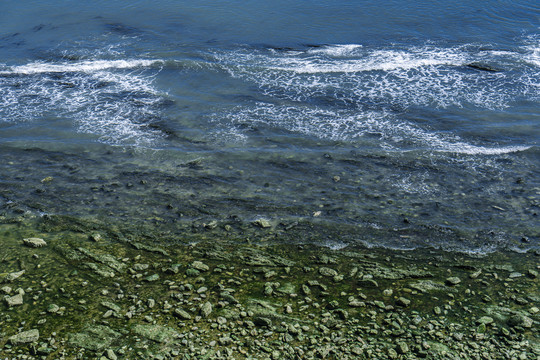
[{"x": 398, "y": 124}]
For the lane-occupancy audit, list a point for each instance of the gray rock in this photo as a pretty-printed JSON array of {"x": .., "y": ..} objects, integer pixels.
[
  {"x": 182, "y": 314},
  {"x": 328, "y": 272},
  {"x": 151, "y": 278},
  {"x": 262, "y": 223},
  {"x": 157, "y": 333},
  {"x": 25, "y": 337},
  {"x": 15, "y": 275},
  {"x": 262, "y": 321},
  {"x": 34, "y": 242},
  {"x": 111, "y": 355},
  {"x": 404, "y": 302},
  {"x": 14, "y": 300},
  {"x": 486, "y": 320},
  {"x": 198, "y": 265},
  {"x": 53, "y": 308},
  {"x": 95, "y": 338},
  {"x": 452, "y": 281},
  {"x": 402, "y": 348},
  {"x": 206, "y": 309}
]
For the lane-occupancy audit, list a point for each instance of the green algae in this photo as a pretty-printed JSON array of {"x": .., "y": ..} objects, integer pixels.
[{"x": 308, "y": 313}]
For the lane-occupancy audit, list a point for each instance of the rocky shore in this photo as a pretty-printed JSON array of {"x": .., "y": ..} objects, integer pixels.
[{"x": 85, "y": 293}]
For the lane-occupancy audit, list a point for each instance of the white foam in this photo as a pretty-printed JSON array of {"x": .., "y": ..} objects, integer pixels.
[
  {"x": 337, "y": 50},
  {"x": 97, "y": 95},
  {"x": 80, "y": 66}
]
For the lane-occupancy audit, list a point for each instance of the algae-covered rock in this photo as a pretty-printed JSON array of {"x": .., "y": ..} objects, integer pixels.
[
  {"x": 96, "y": 337},
  {"x": 157, "y": 333},
  {"x": 25, "y": 337}
]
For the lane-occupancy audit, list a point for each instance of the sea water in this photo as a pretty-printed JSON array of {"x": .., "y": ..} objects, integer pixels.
[{"x": 397, "y": 123}]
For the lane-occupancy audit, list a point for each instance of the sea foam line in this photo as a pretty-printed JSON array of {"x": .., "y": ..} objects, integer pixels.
[{"x": 83, "y": 66}]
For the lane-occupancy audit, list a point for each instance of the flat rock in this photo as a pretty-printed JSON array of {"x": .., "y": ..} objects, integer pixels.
[
  {"x": 157, "y": 333},
  {"x": 25, "y": 337},
  {"x": 34, "y": 242},
  {"x": 198, "y": 265},
  {"x": 15, "y": 275},
  {"x": 95, "y": 338},
  {"x": 328, "y": 272},
  {"x": 14, "y": 300},
  {"x": 452, "y": 281}
]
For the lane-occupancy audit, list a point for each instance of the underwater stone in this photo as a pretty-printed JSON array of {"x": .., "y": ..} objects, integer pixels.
[
  {"x": 34, "y": 242},
  {"x": 25, "y": 337}
]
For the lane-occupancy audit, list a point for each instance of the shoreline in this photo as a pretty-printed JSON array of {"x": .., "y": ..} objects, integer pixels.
[{"x": 87, "y": 294}]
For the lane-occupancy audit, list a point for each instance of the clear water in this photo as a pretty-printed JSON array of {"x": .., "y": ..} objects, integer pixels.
[{"x": 401, "y": 124}]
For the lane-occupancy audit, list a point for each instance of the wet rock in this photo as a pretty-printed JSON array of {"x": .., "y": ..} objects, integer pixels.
[
  {"x": 95, "y": 338},
  {"x": 53, "y": 308},
  {"x": 111, "y": 355},
  {"x": 34, "y": 242},
  {"x": 520, "y": 320},
  {"x": 14, "y": 300},
  {"x": 328, "y": 272},
  {"x": 112, "y": 306},
  {"x": 404, "y": 302},
  {"x": 262, "y": 321},
  {"x": 152, "y": 278},
  {"x": 485, "y": 320},
  {"x": 140, "y": 267},
  {"x": 182, "y": 314},
  {"x": 452, "y": 281},
  {"x": 402, "y": 348},
  {"x": 198, "y": 265},
  {"x": 25, "y": 337},
  {"x": 157, "y": 333},
  {"x": 15, "y": 275},
  {"x": 206, "y": 309},
  {"x": 262, "y": 223}
]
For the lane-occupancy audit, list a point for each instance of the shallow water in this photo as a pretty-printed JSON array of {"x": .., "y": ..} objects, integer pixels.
[{"x": 403, "y": 125}]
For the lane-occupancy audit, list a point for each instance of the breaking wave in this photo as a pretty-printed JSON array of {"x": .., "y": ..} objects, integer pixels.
[{"x": 114, "y": 100}]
